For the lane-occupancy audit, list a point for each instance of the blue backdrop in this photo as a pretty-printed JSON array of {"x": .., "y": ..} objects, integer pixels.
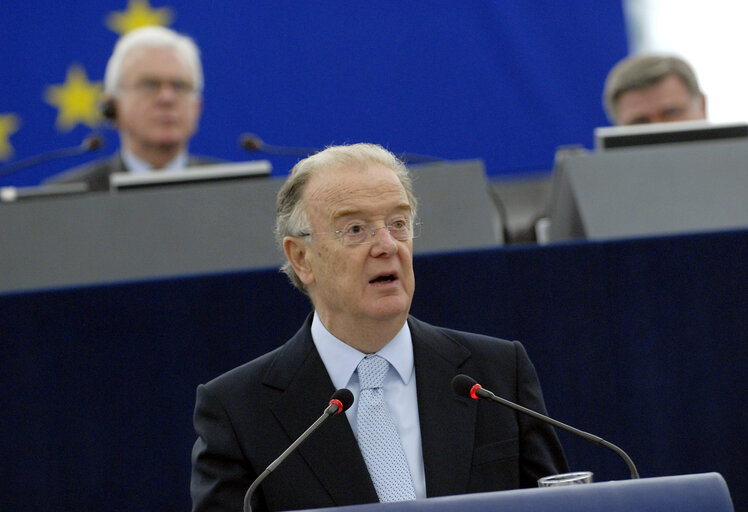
[{"x": 506, "y": 81}]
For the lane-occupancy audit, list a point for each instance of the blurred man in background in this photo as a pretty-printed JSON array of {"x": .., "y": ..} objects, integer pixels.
[
  {"x": 153, "y": 95},
  {"x": 653, "y": 89}
]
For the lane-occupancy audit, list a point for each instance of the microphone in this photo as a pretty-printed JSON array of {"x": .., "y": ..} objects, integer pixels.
[
  {"x": 341, "y": 400},
  {"x": 92, "y": 142},
  {"x": 468, "y": 387},
  {"x": 252, "y": 142}
]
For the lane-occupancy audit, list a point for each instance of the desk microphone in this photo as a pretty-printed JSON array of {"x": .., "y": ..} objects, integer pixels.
[
  {"x": 90, "y": 143},
  {"x": 341, "y": 400},
  {"x": 252, "y": 142},
  {"x": 468, "y": 387}
]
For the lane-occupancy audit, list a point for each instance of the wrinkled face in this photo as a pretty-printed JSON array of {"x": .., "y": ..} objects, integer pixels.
[
  {"x": 668, "y": 100},
  {"x": 351, "y": 283},
  {"x": 157, "y": 107}
]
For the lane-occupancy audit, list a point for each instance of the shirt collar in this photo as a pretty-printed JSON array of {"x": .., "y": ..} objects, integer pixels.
[
  {"x": 137, "y": 165},
  {"x": 341, "y": 360}
]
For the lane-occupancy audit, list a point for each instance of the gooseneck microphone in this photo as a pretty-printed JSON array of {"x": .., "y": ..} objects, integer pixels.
[
  {"x": 90, "y": 143},
  {"x": 468, "y": 387},
  {"x": 252, "y": 142},
  {"x": 341, "y": 400}
]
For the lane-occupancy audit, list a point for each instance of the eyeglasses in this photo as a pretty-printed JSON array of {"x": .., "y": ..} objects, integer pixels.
[
  {"x": 152, "y": 87},
  {"x": 360, "y": 234}
]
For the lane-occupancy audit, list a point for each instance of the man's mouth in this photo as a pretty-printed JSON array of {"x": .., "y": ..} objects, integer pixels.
[{"x": 383, "y": 279}]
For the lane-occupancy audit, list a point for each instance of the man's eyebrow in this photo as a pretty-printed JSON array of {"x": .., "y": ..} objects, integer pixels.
[
  {"x": 357, "y": 212},
  {"x": 347, "y": 212}
]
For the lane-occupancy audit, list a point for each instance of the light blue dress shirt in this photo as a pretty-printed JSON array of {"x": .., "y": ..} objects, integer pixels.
[
  {"x": 399, "y": 386},
  {"x": 137, "y": 165}
]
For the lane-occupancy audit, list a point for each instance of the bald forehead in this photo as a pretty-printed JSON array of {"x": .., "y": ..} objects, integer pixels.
[{"x": 345, "y": 189}]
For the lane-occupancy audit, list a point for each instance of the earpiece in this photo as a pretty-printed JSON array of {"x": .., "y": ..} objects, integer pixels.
[{"x": 109, "y": 110}]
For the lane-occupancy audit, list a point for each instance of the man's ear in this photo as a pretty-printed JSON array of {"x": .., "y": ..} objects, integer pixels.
[
  {"x": 703, "y": 105},
  {"x": 296, "y": 253},
  {"x": 108, "y": 107},
  {"x": 199, "y": 107}
]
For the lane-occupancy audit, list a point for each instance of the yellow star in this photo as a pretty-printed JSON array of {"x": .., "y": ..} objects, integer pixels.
[
  {"x": 138, "y": 14},
  {"x": 77, "y": 100},
  {"x": 8, "y": 126}
]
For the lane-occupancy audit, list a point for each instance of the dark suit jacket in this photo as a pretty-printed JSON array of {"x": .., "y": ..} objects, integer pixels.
[
  {"x": 96, "y": 174},
  {"x": 247, "y": 417}
]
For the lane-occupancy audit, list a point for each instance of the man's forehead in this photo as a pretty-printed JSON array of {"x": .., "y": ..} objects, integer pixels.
[
  {"x": 345, "y": 197},
  {"x": 372, "y": 179},
  {"x": 350, "y": 191},
  {"x": 154, "y": 55}
]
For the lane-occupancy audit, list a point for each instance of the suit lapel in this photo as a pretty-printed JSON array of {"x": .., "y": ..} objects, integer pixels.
[
  {"x": 447, "y": 421},
  {"x": 331, "y": 452}
]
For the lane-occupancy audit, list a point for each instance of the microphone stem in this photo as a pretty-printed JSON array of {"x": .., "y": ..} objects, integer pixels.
[
  {"x": 590, "y": 437},
  {"x": 287, "y": 150},
  {"x": 331, "y": 409},
  {"x": 44, "y": 157},
  {"x": 252, "y": 488},
  {"x": 623, "y": 455},
  {"x": 415, "y": 158}
]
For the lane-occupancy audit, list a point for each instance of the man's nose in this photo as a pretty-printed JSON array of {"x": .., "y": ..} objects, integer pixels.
[
  {"x": 383, "y": 238},
  {"x": 167, "y": 90}
]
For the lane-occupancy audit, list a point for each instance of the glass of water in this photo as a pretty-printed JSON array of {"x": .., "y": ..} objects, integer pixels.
[{"x": 578, "y": 477}]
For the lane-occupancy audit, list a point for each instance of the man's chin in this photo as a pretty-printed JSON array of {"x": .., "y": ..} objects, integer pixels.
[
  {"x": 167, "y": 144},
  {"x": 391, "y": 307}
]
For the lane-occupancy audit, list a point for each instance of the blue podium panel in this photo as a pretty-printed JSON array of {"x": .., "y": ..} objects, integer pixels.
[
  {"x": 642, "y": 342},
  {"x": 705, "y": 492}
]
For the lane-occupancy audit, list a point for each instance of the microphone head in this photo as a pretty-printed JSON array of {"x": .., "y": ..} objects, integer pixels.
[
  {"x": 464, "y": 385},
  {"x": 92, "y": 142},
  {"x": 251, "y": 142},
  {"x": 343, "y": 398}
]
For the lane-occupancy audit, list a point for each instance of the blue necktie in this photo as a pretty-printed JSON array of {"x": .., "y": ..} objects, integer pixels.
[{"x": 377, "y": 435}]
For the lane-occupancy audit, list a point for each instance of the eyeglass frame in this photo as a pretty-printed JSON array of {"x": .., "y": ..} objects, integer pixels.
[
  {"x": 415, "y": 232},
  {"x": 152, "y": 87}
]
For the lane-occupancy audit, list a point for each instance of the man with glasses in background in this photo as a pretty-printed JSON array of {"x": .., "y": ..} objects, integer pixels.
[
  {"x": 346, "y": 218},
  {"x": 153, "y": 95}
]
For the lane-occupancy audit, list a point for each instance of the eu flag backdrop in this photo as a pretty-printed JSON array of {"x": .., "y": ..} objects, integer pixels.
[{"x": 507, "y": 81}]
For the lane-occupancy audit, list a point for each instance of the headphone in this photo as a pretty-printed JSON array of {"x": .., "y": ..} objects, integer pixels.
[{"x": 109, "y": 110}]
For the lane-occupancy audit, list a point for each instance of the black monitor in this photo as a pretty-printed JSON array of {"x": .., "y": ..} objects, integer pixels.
[{"x": 615, "y": 137}]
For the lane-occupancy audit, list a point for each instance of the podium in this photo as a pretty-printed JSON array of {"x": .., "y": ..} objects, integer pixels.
[
  {"x": 705, "y": 492},
  {"x": 649, "y": 191}
]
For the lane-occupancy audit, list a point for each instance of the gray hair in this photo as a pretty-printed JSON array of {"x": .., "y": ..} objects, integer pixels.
[
  {"x": 640, "y": 72},
  {"x": 152, "y": 37},
  {"x": 291, "y": 215}
]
